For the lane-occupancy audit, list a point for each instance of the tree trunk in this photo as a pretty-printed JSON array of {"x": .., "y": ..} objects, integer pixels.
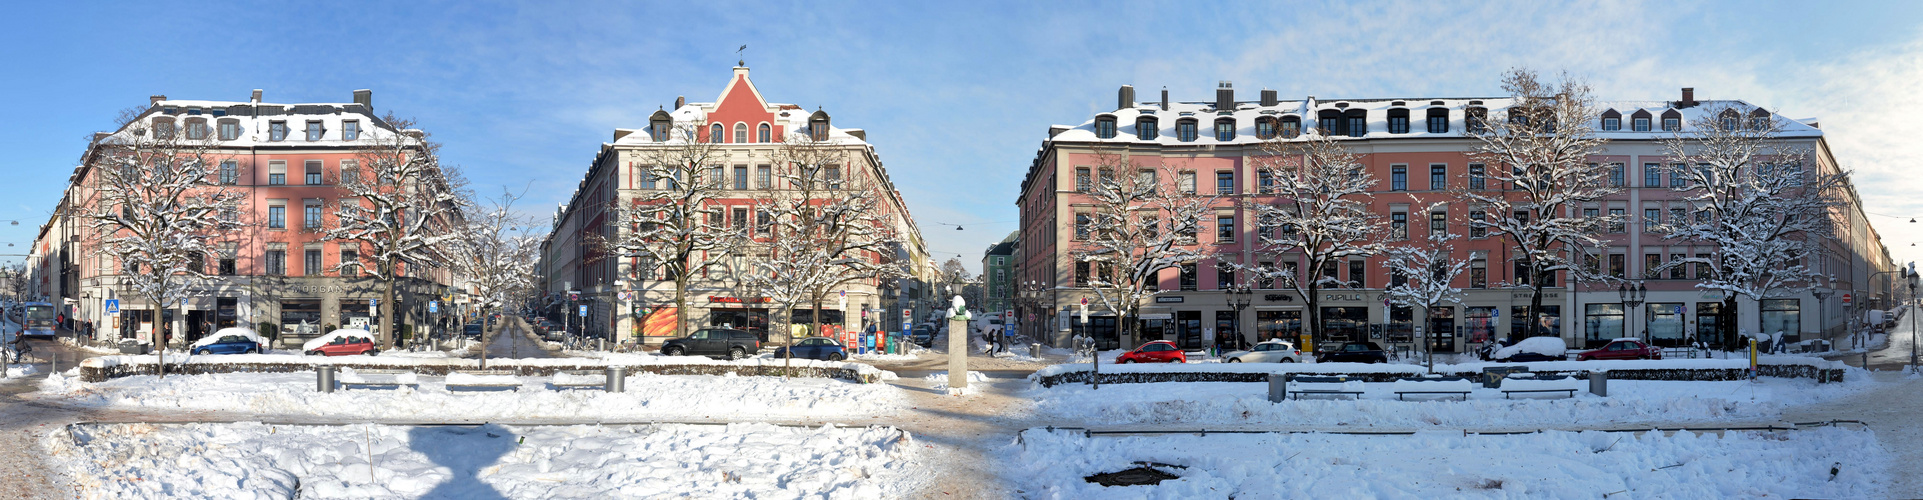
[
  {"x": 1726, "y": 320},
  {"x": 1316, "y": 332},
  {"x": 388, "y": 336},
  {"x": 1428, "y": 344},
  {"x": 1534, "y": 318},
  {"x": 680, "y": 304},
  {"x": 160, "y": 337}
]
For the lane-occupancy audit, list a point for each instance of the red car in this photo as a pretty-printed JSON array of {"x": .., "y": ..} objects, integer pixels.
[
  {"x": 345, "y": 346},
  {"x": 1160, "y": 351},
  {"x": 1622, "y": 349}
]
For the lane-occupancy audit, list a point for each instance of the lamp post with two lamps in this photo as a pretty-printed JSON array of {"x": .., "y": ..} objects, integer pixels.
[
  {"x": 1632, "y": 298},
  {"x": 1239, "y": 297}
]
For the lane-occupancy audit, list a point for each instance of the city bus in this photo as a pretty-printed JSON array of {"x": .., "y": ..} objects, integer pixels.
[{"x": 37, "y": 319}]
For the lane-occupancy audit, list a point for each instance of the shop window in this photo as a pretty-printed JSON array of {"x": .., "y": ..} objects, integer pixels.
[
  {"x": 1602, "y": 323},
  {"x": 1784, "y": 316},
  {"x": 1666, "y": 324}
]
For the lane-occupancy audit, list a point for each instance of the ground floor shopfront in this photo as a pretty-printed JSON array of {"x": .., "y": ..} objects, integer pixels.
[
  {"x": 288, "y": 310},
  {"x": 649, "y": 316},
  {"x": 1680, "y": 317}
]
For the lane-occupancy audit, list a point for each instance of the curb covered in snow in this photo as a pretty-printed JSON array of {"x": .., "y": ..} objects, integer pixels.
[
  {"x": 1822, "y": 371},
  {"x": 104, "y": 368}
]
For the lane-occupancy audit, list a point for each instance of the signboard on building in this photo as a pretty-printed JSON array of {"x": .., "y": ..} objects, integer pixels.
[{"x": 1168, "y": 300}]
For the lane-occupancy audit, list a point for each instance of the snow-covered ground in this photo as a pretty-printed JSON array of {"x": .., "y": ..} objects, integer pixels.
[
  {"x": 648, "y": 397},
  {"x": 254, "y": 460},
  {"x": 1792, "y": 464}
]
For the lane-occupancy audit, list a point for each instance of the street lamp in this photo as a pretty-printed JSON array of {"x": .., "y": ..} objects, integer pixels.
[
  {"x": 1632, "y": 298},
  {"x": 1239, "y": 298},
  {"x": 1912, "y": 313},
  {"x": 1822, "y": 310}
]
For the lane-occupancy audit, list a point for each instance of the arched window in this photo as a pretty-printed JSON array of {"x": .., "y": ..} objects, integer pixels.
[
  {"x": 1358, "y": 121},
  {"x": 659, "y": 124},
  {"x": 1612, "y": 121},
  {"x": 1291, "y": 126},
  {"x": 1639, "y": 121},
  {"x": 1146, "y": 128},
  {"x": 1328, "y": 122},
  {"x": 1399, "y": 121},
  {"x": 1225, "y": 129},
  {"x": 740, "y": 133},
  {"x": 1265, "y": 128},
  {"x": 717, "y": 134},
  {"x": 767, "y": 133},
  {"x": 1105, "y": 127},
  {"x": 1438, "y": 120},
  {"x": 1185, "y": 130},
  {"x": 818, "y": 126}
]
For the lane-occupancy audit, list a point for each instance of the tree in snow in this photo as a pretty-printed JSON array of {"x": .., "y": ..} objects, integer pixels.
[
  {"x": 159, "y": 212},
  {"x": 956, "y": 280},
  {"x": 403, "y": 209},
  {"x": 676, "y": 227},
  {"x": 495, "y": 256},
  {"x": 1426, "y": 269},
  {"x": 1135, "y": 227},
  {"x": 1539, "y": 177},
  {"x": 1320, "y": 212},
  {"x": 1761, "y": 216},
  {"x": 822, "y": 229},
  {"x": 14, "y": 281}
]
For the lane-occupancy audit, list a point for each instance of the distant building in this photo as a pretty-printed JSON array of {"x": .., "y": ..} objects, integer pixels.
[{"x": 999, "y": 289}]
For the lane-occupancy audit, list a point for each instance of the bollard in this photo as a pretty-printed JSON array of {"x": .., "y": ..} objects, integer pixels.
[
  {"x": 1278, "y": 388},
  {"x": 1035, "y": 351},
  {"x": 1866, "y": 360},
  {"x": 1599, "y": 383},
  {"x": 617, "y": 379},
  {"x": 324, "y": 377}
]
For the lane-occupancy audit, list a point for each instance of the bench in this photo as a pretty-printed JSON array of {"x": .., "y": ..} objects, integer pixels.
[
  {"x": 1449, "y": 385},
  {"x": 352, "y": 380},
  {"x": 1529, "y": 386},
  {"x": 481, "y": 383},
  {"x": 565, "y": 381},
  {"x": 1337, "y": 386}
]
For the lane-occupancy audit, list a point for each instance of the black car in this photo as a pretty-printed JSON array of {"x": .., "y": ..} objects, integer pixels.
[
  {"x": 714, "y": 342},
  {"x": 472, "y": 331},
  {"x": 923, "y": 334},
  {"x": 1353, "y": 352}
]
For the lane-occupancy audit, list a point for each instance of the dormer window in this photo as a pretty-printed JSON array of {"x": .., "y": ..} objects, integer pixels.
[
  {"x": 229, "y": 129},
  {"x": 1225, "y": 129},
  {"x": 1672, "y": 121},
  {"x": 1328, "y": 121},
  {"x": 1612, "y": 121},
  {"x": 767, "y": 133},
  {"x": 1291, "y": 126},
  {"x": 350, "y": 130},
  {"x": 1639, "y": 122},
  {"x": 1146, "y": 128},
  {"x": 1358, "y": 122},
  {"x": 197, "y": 129},
  {"x": 1265, "y": 128},
  {"x": 1438, "y": 120},
  {"x": 1185, "y": 130},
  {"x": 314, "y": 130},
  {"x": 717, "y": 134},
  {"x": 818, "y": 126},
  {"x": 277, "y": 131},
  {"x": 1399, "y": 121},
  {"x": 1728, "y": 120},
  {"x": 659, "y": 124},
  {"x": 1105, "y": 127},
  {"x": 1759, "y": 120},
  {"x": 1476, "y": 120},
  {"x": 163, "y": 128}
]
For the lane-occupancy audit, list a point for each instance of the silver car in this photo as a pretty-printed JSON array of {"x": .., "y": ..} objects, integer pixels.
[{"x": 1271, "y": 351}]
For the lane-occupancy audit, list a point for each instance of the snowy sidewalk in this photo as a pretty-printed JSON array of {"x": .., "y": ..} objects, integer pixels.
[{"x": 1894, "y": 410}]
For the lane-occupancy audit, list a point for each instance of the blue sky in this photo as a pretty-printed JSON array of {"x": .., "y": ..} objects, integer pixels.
[{"x": 956, "y": 96}]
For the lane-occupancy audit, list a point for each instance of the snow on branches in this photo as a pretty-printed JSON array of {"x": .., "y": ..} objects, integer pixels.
[
  {"x": 1427, "y": 271},
  {"x": 401, "y": 207},
  {"x": 1135, "y": 227},
  {"x": 1320, "y": 211}
]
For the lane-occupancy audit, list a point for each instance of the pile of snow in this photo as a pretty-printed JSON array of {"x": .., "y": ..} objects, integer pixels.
[
  {"x": 1547, "y": 346},
  {"x": 883, "y": 357},
  {"x": 254, "y": 460},
  {"x": 648, "y": 397},
  {"x": 22, "y": 370},
  {"x": 330, "y": 336},
  {"x": 471, "y": 379},
  {"x": 1553, "y": 464},
  {"x": 939, "y": 381},
  {"x": 565, "y": 378},
  {"x": 247, "y": 333}
]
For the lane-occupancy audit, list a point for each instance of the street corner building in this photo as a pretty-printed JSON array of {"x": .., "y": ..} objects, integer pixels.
[
  {"x": 273, "y": 267},
  {"x": 701, "y": 196},
  {"x": 1421, "y": 152}
]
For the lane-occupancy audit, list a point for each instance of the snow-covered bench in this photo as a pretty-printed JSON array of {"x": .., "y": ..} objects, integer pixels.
[
  {"x": 349, "y": 379},
  {"x": 1453, "y": 385},
  {"x": 565, "y": 380},
  {"x": 478, "y": 383},
  {"x": 1532, "y": 385},
  {"x": 1337, "y": 386}
]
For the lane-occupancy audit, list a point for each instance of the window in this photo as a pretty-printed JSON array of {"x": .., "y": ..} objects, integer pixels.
[
  {"x": 1615, "y": 175},
  {"x": 277, "y": 131},
  {"x": 1398, "y": 178},
  {"x": 1185, "y": 130},
  {"x": 311, "y": 263},
  {"x": 1675, "y": 180},
  {"x": 740, "y": 219},
  {"x": 1652, "y": 217},
  {"x": 1082, "y": 223},
  {"x": 1612, "y": 124},
  {"x": 1398, "y": 121},
  {"x": 1327, "y": 120},
  {"x": 1672, "y": 124},
  {"x": 197, "y": 129},
  {"x": 1082, "y": 179},
  {"x": 1678, "y": 216},
  {"x": 1438, "y": 121},
  {"x": 1616, "y": 221},
  {"x": 765, "y": 223},
  {"x": 313, "y": 170},
  {"x": 314, "y": 130},
  {"x": 1479, "y": 273},
  {"x": 1265, "y": 181},
  {"x": 1225, "y": 229},
  {"x": 1476, "y": 220},
  {"x": 229, "y": 130},
  {"x": 1438, "y": 177},
  {"x": 1081, "y": 273},
  {"x": 1652, "y": 175},
  {"x": 277, "y": 217},
  {"x": 740, "y": 133},
  {"x": 1145, "y": 128},
  {"x": 1291, "y": 127},
  {"x": 350, "y": 262},
  {"x": 1225, "y": 182},
  {"x": 1477, "y": 180},
  {"x": 276, "y": 262},
  {"x": 1224, "y": 277},
  {"x": 834, "y": 177},
  {"x": 163, "y": 128},
  {"x": 1602, "y": 322},
  {"x": 764, "y": 177},
  {"x": 767, "y": 133},
  {"x": 644, "y": 173},
  {"x": 741, "y": 171},
  {"x": 1639, "y": 123},
  {"x": 227, "y": 259},
  {"x": 1225, "y": 129},
  {"x": 1618, "y": 265},
  {"x": 1701, "y": 267},
  {"x": 1475, "y": 120},
  {"x": 1438, "y": 224},
  {"x": 1652, "y": 262},
  {"x": 1358, "y": 123},
  {"x": 310, "y": 217},
  {"x": 1677, "y": 271},
  {"x": 350, "y": 130},
  {"x": 1358, "y": 273},
  {"x": 1185, "y": 182},
  {"x": 717, "y": 177},
  {"x": 1105, "y": 127},
  {"x": 1784, "y": 316},
  {"x": 1265, "y": 128},
  {"x": 229, "y": 172},
  {"x": 1399, "y": 226},
  {"x": 717, "y": 134},
  {"x": 1188, "y": 277}
]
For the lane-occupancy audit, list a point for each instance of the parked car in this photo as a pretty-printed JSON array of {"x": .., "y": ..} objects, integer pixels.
[
  {"x": 343, "y": 342},
  {"x": 733, "y": 344},
  {"x": 1625, "y": 348},
  {"x": 471, "y": 330},
  {"x": 1353, "y": 352},
  {"x": 1268, "y": 351},
  {"x": 923, "y": 334},
  {"x": 1532, "y": 349},
  {"x": 234, "y": 340},
  {"x": 1159, "y": 351},
  {"x": 816, "y": 348}
]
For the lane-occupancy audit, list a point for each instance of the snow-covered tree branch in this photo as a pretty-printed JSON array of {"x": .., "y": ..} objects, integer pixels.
[
  {"x": 401, "y": 207},
  {"x": 496, "y": 254},
  {"x": 1429, "y": 269},
  {"x": 1135, "y": 227},
  {"x": 1319, "y": 214}
]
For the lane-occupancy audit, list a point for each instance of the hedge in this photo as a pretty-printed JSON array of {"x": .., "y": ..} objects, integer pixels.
[
  {"x": 1082, "y": 376},
  {"x": 98, "y": 372}
]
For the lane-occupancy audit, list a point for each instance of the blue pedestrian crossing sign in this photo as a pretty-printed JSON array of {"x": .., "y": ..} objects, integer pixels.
[
  {"x": 434, "y": 306},
  {"x": 584, "y": 311},
  {"x": 113, "y": 306}
]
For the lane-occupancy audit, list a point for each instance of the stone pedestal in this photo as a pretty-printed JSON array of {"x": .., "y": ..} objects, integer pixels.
[{"x": 957, "y": 355}]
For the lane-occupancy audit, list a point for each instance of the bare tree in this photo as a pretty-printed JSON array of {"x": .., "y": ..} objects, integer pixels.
[
  {"x": 674, "y": 226},
  {"x": 1538, "y": 153},
  {"x": 15, "y": 281},
  {"x": 401, "y": 206},
  {"x": 1320, "y": 211},
  {"x": 159, "y": 213},
  {"x": 1762, "y": 215},
  {"x": 1429, "y": 269},
  {"x": 1135, "y": 228},
  {"x": 495, "y": 256}
]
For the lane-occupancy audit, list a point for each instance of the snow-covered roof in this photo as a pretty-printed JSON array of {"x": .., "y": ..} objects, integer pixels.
[
  {"x": 1307, "y": 110},
  {"x": 791, "y": 118},
  {"x": 255, "y": 118}
]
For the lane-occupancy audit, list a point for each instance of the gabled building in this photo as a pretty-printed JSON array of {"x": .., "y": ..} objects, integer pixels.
[{"x": 999, "y": 288}]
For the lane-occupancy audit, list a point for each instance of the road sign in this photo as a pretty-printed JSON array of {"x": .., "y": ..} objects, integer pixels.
[
  {"x": 574, "y": 295},
  {"x": 373, "y": 303},
  {"x": 584, "y": 310},
  {"x": 434, "y": 307},
  {"x": 1846, "y": 300},
  {"x": 907, "y": 314},
  {"x": 113, "y": 306}
]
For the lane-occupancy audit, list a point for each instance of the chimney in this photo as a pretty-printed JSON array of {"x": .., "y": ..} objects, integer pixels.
[
  {"x": 97, "y": 136},
  {"x": 365, "y": 98},
  {"x": 1164, "y": 98},
  {"x": 155, "y": 99},
  {"x": 1125, "y": 98},
  {"x": 680, "y": 101},
  {"x": 256, "y": 98},
  {"x": 1268, "y": 98},
  {"x": 1689, "y": 98},
  {"x": 1224, "y": 96}
]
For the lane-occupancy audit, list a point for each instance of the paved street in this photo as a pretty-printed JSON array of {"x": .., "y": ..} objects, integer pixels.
[{"x": 515, "y": 340}]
